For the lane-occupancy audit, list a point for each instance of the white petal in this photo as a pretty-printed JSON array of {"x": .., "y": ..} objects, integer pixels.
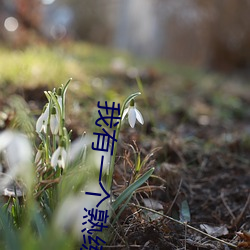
[
  {"x": 61, "y": 163},
  {"x": 63, "y": 158},
  {"x": 46, "y": 113},
  {"x": 54, "y": 124},
  {"x": 55, "y": 156},
  {"x": 139, "y": 116},
  {"x": 39, "y": 123},
  {"x": 5, "y": 139},
  {"x": 132, "y": 117},
  {"x": 124, "y": 113},
  {"x": 97, "y": 157},
  {"x": 59, "y": 99},
  {"x": 78, "y": 147},
  {"x": 44, "y": 127},
  {"x": 71, "y": 211},
  {"x": 38, "y": 156},
  {"x": 19, "y": 151},
  {"x": 19, "y": 158}
]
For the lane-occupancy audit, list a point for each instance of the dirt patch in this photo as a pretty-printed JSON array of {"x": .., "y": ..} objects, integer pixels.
[{"x": 203, "y": 162}]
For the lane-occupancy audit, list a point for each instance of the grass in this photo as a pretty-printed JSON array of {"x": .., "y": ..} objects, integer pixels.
[{"x": 36, "y": 65}]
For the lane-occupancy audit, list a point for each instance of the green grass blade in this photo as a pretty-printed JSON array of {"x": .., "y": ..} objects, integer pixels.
[
  {"x": 122, "y": 209},
  {"x": 128, "y": 191}
]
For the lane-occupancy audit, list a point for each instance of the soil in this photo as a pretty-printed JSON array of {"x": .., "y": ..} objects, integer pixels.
[{"x": 202, "y": 168}]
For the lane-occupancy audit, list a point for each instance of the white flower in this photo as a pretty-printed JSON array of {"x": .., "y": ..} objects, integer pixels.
[
  {"x": 133, "y": 114},
  {"x": 54, "y": 121},
  {"x": 17, "y": 152},
  {"x": 59, "y": 99},
  {"x": 39, "y": 155},
  {"x": 69, "y": 214},
  {"x": 59, "y": 157},
  {"x": 42, "y": 122},
  {"x": 80, "y": 149}
]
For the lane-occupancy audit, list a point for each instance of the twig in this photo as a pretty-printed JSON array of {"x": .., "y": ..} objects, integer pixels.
[
  {"x": 175, "y": 198},
  {"x": 184, "y": 224},
  {"x": 239, "y": 217},
  {"x": 227, "y": 207},
  {"x": 185, "y": 242}
]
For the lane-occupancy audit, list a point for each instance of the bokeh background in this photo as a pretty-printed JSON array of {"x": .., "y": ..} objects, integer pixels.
[
  {"x": 212, "y": 34},
  {"x": 190, "y": 59}
]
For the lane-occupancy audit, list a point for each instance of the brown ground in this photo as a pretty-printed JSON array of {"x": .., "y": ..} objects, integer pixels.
[{"x": 202, "y": 159}]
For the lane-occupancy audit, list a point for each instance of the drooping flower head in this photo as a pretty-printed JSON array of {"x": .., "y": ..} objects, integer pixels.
[
  {"x": 16, "y": 150},
  {"x": 42, "y": 122},
  {"x": 59, "y": 97},
  {"x": 39, "y": 154},
  {"x": 54, "y": 121},
  {"x": 59, "y": 157},
  {"x": 133, "y": 114}
]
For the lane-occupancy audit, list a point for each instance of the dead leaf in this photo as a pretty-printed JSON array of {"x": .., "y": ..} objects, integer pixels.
[
  {"x": 245, "y": 236},
  {"x": 152, "y": 204},
  {"x": 215, "y": 231},
  {"x": 155, "y": 205}
]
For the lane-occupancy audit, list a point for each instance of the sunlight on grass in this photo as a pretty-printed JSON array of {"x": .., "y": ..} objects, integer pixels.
[{"x": 37, "y": 65}]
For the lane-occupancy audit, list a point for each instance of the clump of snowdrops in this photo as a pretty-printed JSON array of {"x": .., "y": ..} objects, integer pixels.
[{"x": 52, "y": 173}]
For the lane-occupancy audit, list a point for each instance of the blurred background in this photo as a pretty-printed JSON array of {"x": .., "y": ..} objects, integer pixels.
[{"x": 211, "y": 34}]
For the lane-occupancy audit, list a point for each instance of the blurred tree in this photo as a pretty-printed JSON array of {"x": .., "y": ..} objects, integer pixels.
[
  {"x": 92, "y": 20},
  {"x": 211, "y": 33},
  {"x": 229, "y": 34},
  {"x": 29, "y": 14},
  {"x": 25, "y": 21}
]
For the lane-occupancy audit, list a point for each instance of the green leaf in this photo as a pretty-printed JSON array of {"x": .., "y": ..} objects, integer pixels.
[
  {"x": 185, "y": 212},
  {"x": 65, "y": 87},
  {"x": 128, "y": 191},
  {"x": 39, "y": 222},
  {"x": 11, "y": 239},
  {"x": 122, "y": 209}
]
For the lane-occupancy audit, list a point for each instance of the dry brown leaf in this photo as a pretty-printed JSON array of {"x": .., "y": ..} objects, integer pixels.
[{"x": 245, "y": 236}]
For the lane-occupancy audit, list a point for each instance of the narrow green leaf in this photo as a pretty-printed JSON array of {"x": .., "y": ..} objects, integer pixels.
[
  {"x": 122, "y": 209},
  {"x": 65, "y": 87},
  {"x": 128, "y": 191},
  {"x": 39, "y": 222},
  {"x": 11, "y": 238},
  {"x": 138, "y": 163}
]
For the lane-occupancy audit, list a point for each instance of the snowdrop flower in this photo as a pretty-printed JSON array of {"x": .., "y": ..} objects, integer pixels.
[
  {"x": 59, "y": 97},
  {"x": 39, "y": 154},
  {"x": 59, "y": 157},
  {"x": 54, "y": 121},
  {"x": 42, "y": 122},
  {"x": 17, "y": 152},
  {"x": 133, "y": 114},
  {"x": 81, "y": 147},
  {"x": 69, "y": 214},
  {"x": 78, "y": 148}
]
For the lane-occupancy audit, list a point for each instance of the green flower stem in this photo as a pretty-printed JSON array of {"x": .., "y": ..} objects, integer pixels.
[
  {"x": 53, "y": 97},
  {"x": 47, "y": 137},
  {"x": 112, "y": 165},
  {"x": 65, "y": 87},
  {"x": 54, "y": 142}
]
